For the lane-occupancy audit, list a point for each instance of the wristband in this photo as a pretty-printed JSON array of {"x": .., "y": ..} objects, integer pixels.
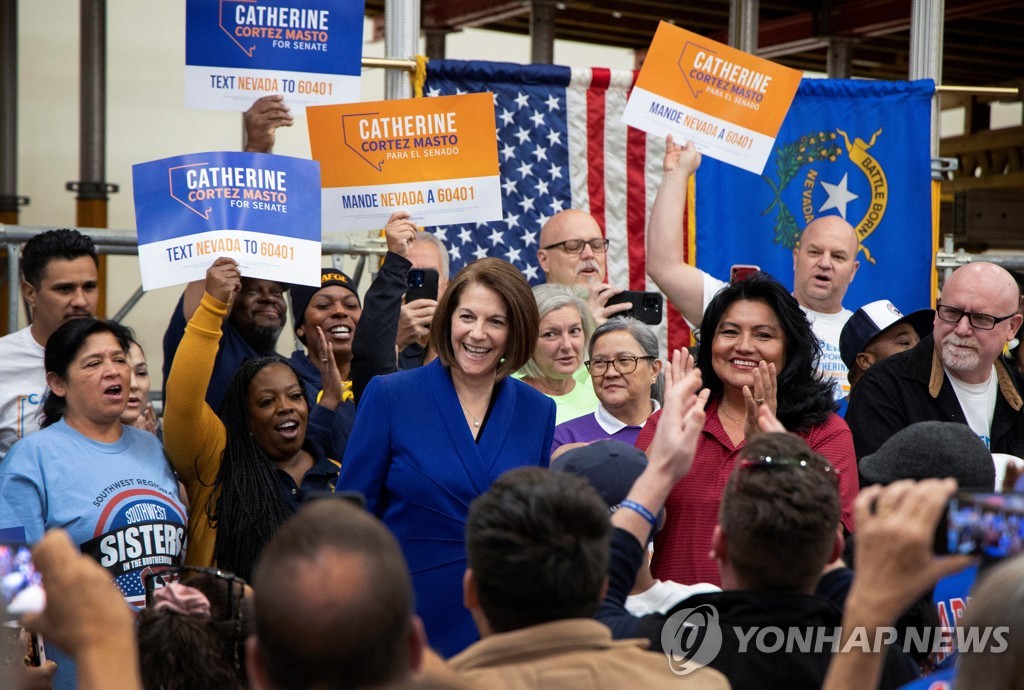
[{"x": 644, "y": 513}]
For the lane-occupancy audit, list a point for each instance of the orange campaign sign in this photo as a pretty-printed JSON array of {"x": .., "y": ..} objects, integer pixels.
[
  {"x": 434, "y": 157},
  {"x": 729, "y": 103}
]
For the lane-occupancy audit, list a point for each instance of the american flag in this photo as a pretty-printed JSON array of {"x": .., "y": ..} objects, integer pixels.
[{"x": 561, "y": 144}]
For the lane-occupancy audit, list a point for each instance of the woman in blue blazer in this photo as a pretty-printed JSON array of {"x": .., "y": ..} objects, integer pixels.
[{"x": 427, "y": 441}]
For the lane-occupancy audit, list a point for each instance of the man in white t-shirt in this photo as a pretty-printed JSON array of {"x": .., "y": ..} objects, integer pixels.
[
  {"x": 956, "y": 374},
  {"x": 824, "y": 264},
  {"x": 59, "y": 281}
]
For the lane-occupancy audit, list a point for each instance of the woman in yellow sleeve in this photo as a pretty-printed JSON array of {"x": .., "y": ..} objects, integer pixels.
[{"x": 248, "y": 470}]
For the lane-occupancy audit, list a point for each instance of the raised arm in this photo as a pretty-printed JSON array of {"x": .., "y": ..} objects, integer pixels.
[
  {"x": 895, "y": 566},
  {"x": 373, "y": 347},
  {"x": 190, "y": 425},
  {"x": 682, "y": 283}
]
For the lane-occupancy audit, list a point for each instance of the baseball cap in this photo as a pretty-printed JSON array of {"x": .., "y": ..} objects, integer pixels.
[
  {"x": 611, "y": 467},
  {"x": 872, "y": 320}
]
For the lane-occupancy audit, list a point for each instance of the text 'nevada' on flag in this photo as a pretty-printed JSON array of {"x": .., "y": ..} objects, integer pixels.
[
  {"x": 561, "y": 145},
  {"x": 854, "y": 148}
]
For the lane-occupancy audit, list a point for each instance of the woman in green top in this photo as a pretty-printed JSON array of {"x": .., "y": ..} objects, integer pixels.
[{"x": 556, "y": 368}]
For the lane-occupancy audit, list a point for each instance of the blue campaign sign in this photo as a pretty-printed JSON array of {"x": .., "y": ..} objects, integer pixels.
[
  {"x": 262, "y": 210},
  {"x": 238, "y": 50}
]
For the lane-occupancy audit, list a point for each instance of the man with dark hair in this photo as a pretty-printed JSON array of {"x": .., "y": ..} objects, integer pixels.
[
  {"x": 778, "y": 528},
  {"x": 59, "y": 282},
  {"x": 251, "y": 330},
  {"x": 333, "y": 603},
  {"x": 537, "y": 545}
]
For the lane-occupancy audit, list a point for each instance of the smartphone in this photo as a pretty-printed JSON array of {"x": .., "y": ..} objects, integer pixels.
[
  {"x": 422, "y": 284},
  {"x": 740, "y": 272},
  {"x": 985, "y": 524},
  {"x": 646, "y": 306},
  {"x": 21, "y": 587}
]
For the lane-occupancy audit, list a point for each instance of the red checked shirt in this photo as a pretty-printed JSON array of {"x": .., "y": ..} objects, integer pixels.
[{"x": 681, "y": 548}]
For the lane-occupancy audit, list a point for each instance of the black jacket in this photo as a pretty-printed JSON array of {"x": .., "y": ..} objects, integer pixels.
[
  {"x": 741, "y": 618},
  {"x": 912, "y": 387}
]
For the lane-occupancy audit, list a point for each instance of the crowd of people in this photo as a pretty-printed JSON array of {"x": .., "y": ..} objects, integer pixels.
[{"x": 378, "y": 510}]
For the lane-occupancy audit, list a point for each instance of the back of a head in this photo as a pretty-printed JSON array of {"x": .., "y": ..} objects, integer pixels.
[
  {"x": 179, "y": 652},
  {"x": 931, "y": 450},
  {"x": 62, "y": 243},
  {"x": 538, "y": 546},
  {"x": 333, "y": 601},
  {"x": 997, "y": 602},
  {"x": 780, "y": 516}
]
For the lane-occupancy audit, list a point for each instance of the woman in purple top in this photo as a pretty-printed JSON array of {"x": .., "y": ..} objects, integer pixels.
[{"x": 626, "y": 374}]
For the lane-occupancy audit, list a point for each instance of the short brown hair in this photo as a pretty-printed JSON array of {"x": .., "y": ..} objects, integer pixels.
[
  {"x": 352, "y": 637},
  {"x": 780, "y": 523},
  {"x": 523, "y": 317}
]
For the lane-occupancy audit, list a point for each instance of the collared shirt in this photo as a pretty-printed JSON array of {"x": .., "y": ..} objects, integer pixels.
[
  {"x": 681, "y": 547},
  {"x": 598, "y": 425},
  {"x": 319, "y": 480}
]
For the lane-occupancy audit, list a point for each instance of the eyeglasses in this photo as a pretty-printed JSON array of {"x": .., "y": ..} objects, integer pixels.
[
  {"x": 624, "y": 364},
  {"x": 165, "y": 575},
  {"x": 598, "y": 245},
  {"x": 767, "y": 462},
  {"x": 983, "y": 322}
]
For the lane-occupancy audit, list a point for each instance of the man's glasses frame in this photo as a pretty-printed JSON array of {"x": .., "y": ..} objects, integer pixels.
[
  {"x": 598, "y": 245},
  {"x": 982, "y": 322}
]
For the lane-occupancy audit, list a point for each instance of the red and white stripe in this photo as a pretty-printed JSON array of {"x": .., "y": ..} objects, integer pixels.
[{"x": 614, "y": 174}]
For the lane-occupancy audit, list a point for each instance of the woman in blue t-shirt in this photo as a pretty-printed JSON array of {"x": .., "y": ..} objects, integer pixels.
[{"x": 108, "y": 485}]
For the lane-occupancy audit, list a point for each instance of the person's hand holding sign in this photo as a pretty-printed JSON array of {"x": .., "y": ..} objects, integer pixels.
[
  {"x": 684, "y": 159},
  {"x": 399, "y": 232},
  {"x": 223, "y": 280},
  {"x": 261, "y": 123}
]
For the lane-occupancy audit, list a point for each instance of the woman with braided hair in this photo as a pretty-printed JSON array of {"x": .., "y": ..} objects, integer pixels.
[{"x": 247, "y": 471}]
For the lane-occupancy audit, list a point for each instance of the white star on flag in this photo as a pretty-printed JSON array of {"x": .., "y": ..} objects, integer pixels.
[{"x": 838, "y": 196}]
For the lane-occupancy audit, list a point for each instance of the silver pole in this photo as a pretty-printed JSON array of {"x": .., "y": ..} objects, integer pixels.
[
  {"x": 13, "y": 286},
  {"x": 926, "y": 52},
  {"x": 743, "y": 16},
  {"x": 401, "y": 42}
]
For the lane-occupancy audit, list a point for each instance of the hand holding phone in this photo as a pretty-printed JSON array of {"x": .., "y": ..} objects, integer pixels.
[
  {"x": 422, "y": 284},
  {"x": 645, "y": 306}
]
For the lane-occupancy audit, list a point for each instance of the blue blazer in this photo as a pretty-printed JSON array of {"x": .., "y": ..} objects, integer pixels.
[{"x": 412, "y": 455}]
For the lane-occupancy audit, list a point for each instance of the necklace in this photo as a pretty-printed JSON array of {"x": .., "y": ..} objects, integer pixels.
[
  {"x": 721, "y": 408},
  {"x": 476, "y": 420}
]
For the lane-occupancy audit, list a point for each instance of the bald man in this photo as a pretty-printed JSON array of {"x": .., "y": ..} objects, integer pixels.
[
  {"x": 573, "y": 252},
  {"x": 824, "y": 264},
  {"x": 953, "y": 375}
]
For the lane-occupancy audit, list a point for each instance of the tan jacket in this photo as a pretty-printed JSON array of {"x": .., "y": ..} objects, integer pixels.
[{"x": 574, "y": 653}]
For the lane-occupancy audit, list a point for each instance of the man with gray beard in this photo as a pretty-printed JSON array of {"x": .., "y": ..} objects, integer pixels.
[{"x": 954, "y": 375}]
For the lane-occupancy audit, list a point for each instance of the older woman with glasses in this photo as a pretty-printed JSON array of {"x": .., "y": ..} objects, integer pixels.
[{"x": 625, "y": 371}]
